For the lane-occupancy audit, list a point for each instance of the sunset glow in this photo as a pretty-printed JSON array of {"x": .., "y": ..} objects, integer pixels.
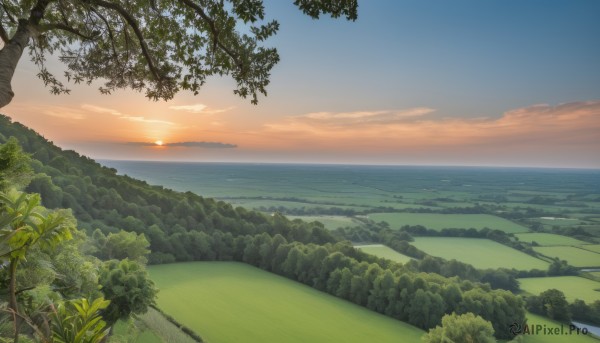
[{"x": 467, "y": 89}]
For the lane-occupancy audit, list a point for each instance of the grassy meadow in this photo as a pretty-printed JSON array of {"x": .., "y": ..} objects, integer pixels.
[
  {"x": 573, "y": 255},
  {"x": 150, "y": 327},
  {"x": 548, "y": 239},
  {"x": 382, "y": 251},
  {"x": 233, "y": 302},
  {"x": 574, "y": 287},
  {"x": 481, "y": 253},
  {"x": 442, "y": 221}
]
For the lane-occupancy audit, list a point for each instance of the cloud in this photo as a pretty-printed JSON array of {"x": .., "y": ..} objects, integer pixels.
[
  {"x": 347, "y": 120},
  {"x": 207, "y": 145},
  {"x": 139, "y": 119},
  {"x": 144, "y": 120},
  {"x": 200, "y": 108},
  {"x": 99, "y": 109},
  {"x": 542, "y": 126}
]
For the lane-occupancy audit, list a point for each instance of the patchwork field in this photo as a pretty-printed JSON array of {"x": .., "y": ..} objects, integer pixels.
[
  {"x": 440, "y": 221},
  {"x": 383, "y": 251},
  {"x": 234, "y": 302},
  {"x": 548, "y": 239},
  {"x": 591, "y": 247},
  {"x": 574, "y": 256},
  {"x": 574, "y": 287},
  {"x": 481, "y": 253}
]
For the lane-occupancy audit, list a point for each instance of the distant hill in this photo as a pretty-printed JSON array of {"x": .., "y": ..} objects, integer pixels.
[{"x": 174, "y": 222}]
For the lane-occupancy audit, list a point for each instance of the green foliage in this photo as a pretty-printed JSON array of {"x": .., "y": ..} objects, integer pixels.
[
  {"x": 127, "y": 285},
  {"x": 467, "y": 328},
  {"x": 121, "y": 245},
  {"x": 14, "y": 165},
  {"x": 79, "y": 321},
  {"x": 23, "y": 223}
]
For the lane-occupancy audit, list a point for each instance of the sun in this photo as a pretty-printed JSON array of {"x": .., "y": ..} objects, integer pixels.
[{"x": 159, "y": 143}]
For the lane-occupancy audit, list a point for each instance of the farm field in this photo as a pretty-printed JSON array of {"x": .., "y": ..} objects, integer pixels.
[
  {"x": 481, "y": 253},
  {"x": 383, "y": 251},
  {"x": 574, "y": 287},
  {"x": 591, "y": 247},
  {"x": 539, "y": 320},
  {"x": 234, "y": 302},
  {"x": 547, "y": 239},
  {"x": 440, "y": 221},
  {"x": 575, "y": 256}
]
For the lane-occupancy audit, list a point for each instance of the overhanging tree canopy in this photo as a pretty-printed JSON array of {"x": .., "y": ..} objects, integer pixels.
[{"x": 155, "y": 46}]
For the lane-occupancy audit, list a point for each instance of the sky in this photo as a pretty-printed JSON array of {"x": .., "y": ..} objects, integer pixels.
[{"x": 486, "y": 83}]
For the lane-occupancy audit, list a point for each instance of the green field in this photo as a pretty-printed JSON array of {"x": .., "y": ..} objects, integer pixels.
[
  {"x": 150, "y": 327},
  {"x": 481, "y": 253},
  {"x": 440, "y": 221},
  {"x": 533, "y": 319},
  {"x": 574, "y": 287},
  {"x": 383, "y": 251},
  {"x": 591, "y": 247},
  {"x": 574, "y": 256},
  {"x": 330, "y": 222},
  {"x": 548, "y": 239},
  {"x": 235, "y": 302}
]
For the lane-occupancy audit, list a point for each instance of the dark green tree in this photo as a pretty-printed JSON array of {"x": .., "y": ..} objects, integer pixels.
[
  {"x": 466, "y": 327},
  {"x": 128, "y": 287}
]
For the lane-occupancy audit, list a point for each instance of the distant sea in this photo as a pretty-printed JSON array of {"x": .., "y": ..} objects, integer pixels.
[{"x": 220, "y": 180}]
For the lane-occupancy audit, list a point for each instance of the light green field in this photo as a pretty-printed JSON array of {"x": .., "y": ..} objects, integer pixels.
[
  {"x": 533, "y": 319},
  {"x": 574, "y": 256},
  {"x": 150, "y": 327},
  {"x": 548, "y": 239},
  {"x": 591, "y": 247},
  {"x": 574, "y": 287},
  {"x": 440, "y": 221},
  {"x": 481, "y": 253},
  {"x": 234, "y": 302},
  {"x": 330, "y": 222},
  {"x": 383, "y": 251}
]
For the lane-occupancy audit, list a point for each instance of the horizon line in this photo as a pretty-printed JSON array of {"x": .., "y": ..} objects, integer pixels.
[{"x": 357, "y": 164}]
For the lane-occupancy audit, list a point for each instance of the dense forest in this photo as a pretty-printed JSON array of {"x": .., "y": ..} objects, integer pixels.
[{"x": 123, "y": 223}]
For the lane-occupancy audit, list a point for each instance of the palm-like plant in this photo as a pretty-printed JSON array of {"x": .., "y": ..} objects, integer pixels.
[{"x": 24, "y": 223}]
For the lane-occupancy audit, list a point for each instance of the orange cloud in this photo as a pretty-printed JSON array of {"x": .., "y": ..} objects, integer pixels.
[{"x": 539, "y": 125}]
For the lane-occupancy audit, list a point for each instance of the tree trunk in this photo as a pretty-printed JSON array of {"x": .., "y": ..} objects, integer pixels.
[
  {"x": 9, "y": 57},
  {"x": 12, "y": 294}
]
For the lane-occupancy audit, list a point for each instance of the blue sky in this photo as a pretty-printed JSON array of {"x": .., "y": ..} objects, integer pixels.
[{"x": 510, "y": 83}]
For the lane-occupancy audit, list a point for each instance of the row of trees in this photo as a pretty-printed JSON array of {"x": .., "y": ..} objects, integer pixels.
[{"x": 102, "y": 199}]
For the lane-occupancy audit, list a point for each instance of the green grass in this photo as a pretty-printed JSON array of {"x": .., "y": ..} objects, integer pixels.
[
  {"x": 130, "y": 332},
  {"x": 574, "y": 287},
  {"x": 234, "y": 302},
  {"x": 591, "y": 247},
  {"x": 150, "y": 327},
  {"x": 383, "y": 251},
  {"x": 481, "y": 253},
  {"x": 533, "y": 319},
  {"x": 440, "y": 221},
  {"x": 548, "y": 239},
  {"x": 574, "y": 256},
  {"x": 330, "y": 222}
]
